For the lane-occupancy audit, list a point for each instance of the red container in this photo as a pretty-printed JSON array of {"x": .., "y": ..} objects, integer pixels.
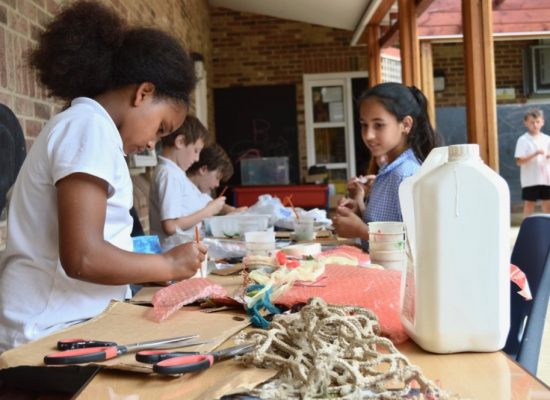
[{"x": 304, "y": 196}]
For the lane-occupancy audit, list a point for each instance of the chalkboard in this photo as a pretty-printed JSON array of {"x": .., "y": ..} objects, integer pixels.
[
  {"x": 451, "y": 124},
  {"x": 258, "y": 121}
]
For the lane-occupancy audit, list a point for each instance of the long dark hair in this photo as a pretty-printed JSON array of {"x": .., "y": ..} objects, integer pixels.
[
  {"x": 401, "y": 100},
  {"x": 88, "y": 49}
]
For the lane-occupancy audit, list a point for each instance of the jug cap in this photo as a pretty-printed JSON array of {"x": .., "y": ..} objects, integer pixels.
[{"x": 462, "y": 152}]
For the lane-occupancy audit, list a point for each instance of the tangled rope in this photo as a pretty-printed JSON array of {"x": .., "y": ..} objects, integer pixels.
[{"x": 327, "y": 351}]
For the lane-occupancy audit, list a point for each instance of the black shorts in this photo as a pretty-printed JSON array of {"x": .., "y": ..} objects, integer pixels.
[{"x": 534, "y": 193}]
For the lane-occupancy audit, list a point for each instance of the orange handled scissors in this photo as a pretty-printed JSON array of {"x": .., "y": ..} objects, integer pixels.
[
  {"x": 175, "y": 363},
  {"x": 102, "y": 353}
]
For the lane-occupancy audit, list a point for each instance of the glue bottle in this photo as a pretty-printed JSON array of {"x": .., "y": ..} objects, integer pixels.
[{"x": 455, "y": 292}]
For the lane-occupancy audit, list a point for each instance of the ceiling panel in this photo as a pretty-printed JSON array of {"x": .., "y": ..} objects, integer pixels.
[{"x": 342, "y": 14}]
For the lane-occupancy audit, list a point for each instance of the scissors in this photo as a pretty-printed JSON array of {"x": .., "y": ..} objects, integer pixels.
[
  {"x": 71, "y": 344},
  {"x": 102, "y": 353},
  {"x": 180, "y": 363}
]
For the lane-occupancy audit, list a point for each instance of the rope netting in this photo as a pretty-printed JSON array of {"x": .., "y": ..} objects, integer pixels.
[{"x": 328, "y": 351}]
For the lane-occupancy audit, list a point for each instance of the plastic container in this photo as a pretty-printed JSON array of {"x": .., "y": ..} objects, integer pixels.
[
  {"x": 264, "y": 171},
  {"x": 391, "y": 259},
  {"x": 304, "y": 229},
  {"x": 229, "y": 226},
  {"x": 455, "y": 295},
  {"x": 259, "y": 243}
]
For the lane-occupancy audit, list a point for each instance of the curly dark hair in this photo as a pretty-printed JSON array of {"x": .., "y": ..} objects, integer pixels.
[
  {"x": 192, "y": 130},
  {"x": 401, "y": 100},
  {"x": 213, "y": 157},
  {"x": 87, "y": 49}
]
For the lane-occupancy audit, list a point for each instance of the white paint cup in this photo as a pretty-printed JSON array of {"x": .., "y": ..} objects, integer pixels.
[
  {"x": 304, "y": 229},
  {"x": 259, "y": 243}
]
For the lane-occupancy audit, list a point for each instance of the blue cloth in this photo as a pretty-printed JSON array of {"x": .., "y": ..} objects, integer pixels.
[
  {"x": 383, "y": 201},
  {"x": 148, "y": 244}
]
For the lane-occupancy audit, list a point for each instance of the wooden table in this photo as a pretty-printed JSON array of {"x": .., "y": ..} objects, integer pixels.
[
  {"x": 481, "y": 376},
  {"x": 491, "y": 376}
]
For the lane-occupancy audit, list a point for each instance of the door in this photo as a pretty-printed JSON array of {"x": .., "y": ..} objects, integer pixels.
[{"x": 329, "y": 125}]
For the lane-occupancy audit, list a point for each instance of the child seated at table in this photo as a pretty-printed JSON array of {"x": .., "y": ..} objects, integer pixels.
[
  {"x": 214, "y": 166},
  {"x": 175, "y": 204},
  {"x": 395, "y": 127},
  {"x": 68, "y": 249}
]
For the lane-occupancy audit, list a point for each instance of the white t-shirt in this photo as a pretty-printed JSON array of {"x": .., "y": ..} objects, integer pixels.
[
  {"x": 36, "y": 296},
  {"x": 537, "y": 170},
  {"x": 172, "y": 195}
]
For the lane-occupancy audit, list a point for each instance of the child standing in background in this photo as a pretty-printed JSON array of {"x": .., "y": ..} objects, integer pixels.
[
  {"x": 532, "y": 153},
  {"x": 175, "y": 203},
  {"x": 394, "y": 125},
  {"x": 214, "y": 166},
  {"x": 69, "y": 250}
]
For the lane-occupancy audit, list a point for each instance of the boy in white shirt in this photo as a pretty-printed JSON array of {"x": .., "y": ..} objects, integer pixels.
[
  {"x": 214, "y": 166},
  {"x": 175, "y": 203},
  {"x": 532, "y": 153}
]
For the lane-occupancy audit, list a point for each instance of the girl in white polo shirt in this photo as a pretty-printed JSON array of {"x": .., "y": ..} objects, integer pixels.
[{"x": 69, "y": 250}]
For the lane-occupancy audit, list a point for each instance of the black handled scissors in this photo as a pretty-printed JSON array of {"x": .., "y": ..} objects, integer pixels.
[
  {"x": 71, "y": 344},
  {"x": 181, "y": 364},
  {"x": 102, "y": 353}
]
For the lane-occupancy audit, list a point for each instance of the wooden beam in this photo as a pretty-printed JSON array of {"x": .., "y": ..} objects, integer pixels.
[
  {"x": 373, "y": 54},
  {"x": 427, "y": 76},
  {"x": 480, "y": 78},
  {"x": 390, "y": 38},
  {"x": 408, "y": 44},
  {"x": 381, "y": 12}
]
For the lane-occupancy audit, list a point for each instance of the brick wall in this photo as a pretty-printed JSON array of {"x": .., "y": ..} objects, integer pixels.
[
  {"x": 21, "y": 21},
  {"x": 250, "y": 49},
  {"x": 508, "y": 70}
]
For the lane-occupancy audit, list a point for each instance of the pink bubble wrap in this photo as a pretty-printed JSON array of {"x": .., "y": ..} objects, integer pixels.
[
  {"x": 171, "y": 298},
  {"x": 375, "y": 289}
]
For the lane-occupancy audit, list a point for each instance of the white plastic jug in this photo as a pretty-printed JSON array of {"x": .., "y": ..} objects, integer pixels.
[
  {"x": 437, "y": 157},
  {"x": 455, "y": 292}
]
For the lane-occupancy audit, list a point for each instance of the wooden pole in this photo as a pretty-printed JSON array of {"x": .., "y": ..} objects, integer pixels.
[
  {"x": 408, "y": 44},
  {"x": 427, "y": 77},
  {"x": 479, "y": 68},
  {"x": 374, "y": 55}
]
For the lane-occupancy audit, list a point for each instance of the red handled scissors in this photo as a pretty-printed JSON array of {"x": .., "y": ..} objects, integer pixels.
[
  {"x": 102, "y": 353},
  {"x": 177, "y": 363}
]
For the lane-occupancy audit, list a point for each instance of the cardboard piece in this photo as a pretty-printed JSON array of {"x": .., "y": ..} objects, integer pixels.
[{"x": 127, "y": 323}]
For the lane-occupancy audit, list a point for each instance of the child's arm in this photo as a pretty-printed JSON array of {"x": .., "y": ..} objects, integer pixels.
[
  {"x": 348, "y": 224},
  {"x": 523, "y": 160},
  {"x": 227, "y": 209},
  {"x": 85, "y": 255},
  {"x": 169, "y": 226}
]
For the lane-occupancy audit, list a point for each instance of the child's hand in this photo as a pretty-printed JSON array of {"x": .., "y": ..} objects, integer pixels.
[
  {"x": 238, "y": 210},
  {"x": 350, "y": 204},
  {"x": 216, "y": 205},
  {"x": 187, "y": 259},
  {"x": 348, "y": 224}
]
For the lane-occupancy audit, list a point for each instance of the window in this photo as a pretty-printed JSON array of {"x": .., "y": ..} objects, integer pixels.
[
  {"x": 537, "y": 70},
  {"x": 540, "y": 61}
]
